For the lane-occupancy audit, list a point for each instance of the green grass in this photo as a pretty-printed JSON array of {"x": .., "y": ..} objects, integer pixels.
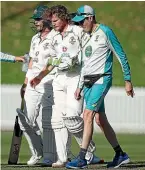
[
  {"x": 133, "y": 144},
  {"x": 125, "y": 18}
]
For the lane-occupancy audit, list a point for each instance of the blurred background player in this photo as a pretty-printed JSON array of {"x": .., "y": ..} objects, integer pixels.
[
  {"x": 66, "y": 39},
  {"x": 42, "y": 95},
  {"x": 96, "y": 80}
]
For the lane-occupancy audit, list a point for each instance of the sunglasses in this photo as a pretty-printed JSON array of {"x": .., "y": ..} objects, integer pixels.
[
  {"x": 84, "y": 14},
  {"x": 82, "y": 21}
]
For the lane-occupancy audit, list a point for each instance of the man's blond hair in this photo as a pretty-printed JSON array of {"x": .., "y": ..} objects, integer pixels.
[{"x": 61, "y": 12}]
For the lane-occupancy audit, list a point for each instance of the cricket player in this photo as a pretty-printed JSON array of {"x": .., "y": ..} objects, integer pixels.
[
  {"x": 42, "y": 95},
  {"x": 96, "y": 80},
  {"x": 66, "y": 41},
  {"x": 10, "y": 58}
]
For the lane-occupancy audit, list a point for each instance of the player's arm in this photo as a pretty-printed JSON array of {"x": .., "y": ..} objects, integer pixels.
[
  {"x": 19, "y": 59},
  {"x": 23, "y": 88},
  {"x": 45, "y": 71},
  {"x": 10, "y": 58},
  {"x": 117, "y": 49},
  {"x": 80, "y": 84},
  {"x": 77, "y": 93}
]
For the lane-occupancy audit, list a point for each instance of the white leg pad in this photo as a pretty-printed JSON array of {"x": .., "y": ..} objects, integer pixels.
[{"x": 49, "y": 145}]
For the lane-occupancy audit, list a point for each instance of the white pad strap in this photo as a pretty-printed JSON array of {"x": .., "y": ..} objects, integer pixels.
[{"x": 74, "y": 124}]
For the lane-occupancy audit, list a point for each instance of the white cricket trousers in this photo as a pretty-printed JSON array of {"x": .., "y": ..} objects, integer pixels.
[
  {"x": 65, "y": 105},
  {"x": 64, "y": 87}
]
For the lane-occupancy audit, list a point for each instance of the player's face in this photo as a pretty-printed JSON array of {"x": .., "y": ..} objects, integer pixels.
[
  {"x": 58, "y": 24},
  {"x": 86, "y": 24},
  {"x": 38, "y": 24}
]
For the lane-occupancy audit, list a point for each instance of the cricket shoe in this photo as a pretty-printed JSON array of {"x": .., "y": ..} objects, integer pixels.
[
  {"x": 58, "y": 164},
  {"x": 77, "y": 163},
  {"x": 95, "y": 160},
  {"x": 118, "y": 160},
  {"x": 34, "y": 160}
]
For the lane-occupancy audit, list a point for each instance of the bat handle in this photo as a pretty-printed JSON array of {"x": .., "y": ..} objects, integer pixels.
[{"x": 22, "y": 104}]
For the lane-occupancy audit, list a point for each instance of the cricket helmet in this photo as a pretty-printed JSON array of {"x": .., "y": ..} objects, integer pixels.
[{"x": 38, "y": 14}]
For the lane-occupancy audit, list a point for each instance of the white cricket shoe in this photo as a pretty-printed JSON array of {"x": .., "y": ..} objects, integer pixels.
[
  {"x": 58, "y": 164},
  {"x": 34, "y": 160}
]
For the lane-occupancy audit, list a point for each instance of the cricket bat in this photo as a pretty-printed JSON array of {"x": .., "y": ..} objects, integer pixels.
[{"x": 16, "y": 141}]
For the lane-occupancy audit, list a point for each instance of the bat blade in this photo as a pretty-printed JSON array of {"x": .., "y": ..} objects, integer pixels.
[
  {"x": 16, "y": 141},
  {"x": 15, "y": 144}
]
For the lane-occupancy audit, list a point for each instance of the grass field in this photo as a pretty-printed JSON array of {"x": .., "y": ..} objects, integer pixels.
[{"x": 133, "y": 144}]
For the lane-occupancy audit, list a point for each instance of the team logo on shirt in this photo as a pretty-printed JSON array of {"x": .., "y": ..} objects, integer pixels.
[
  {"x": 64, "y": 49},
  {"x": 88, "y": 51},
  {"x": 46, "y": 46},
  {"x": 72, "y": 40}
]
